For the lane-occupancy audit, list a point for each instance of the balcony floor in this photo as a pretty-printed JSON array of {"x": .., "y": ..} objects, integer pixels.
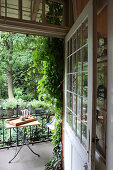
[{"x": 26, "y": 160}]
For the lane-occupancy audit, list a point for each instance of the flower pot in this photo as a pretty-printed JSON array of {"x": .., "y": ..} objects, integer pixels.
[
  {"x": 10, "y": 112},
  {"x": 39, "y": 110}
]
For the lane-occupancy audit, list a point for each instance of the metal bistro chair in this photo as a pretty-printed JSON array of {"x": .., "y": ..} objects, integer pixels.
[{"x": 51, "y": 124}]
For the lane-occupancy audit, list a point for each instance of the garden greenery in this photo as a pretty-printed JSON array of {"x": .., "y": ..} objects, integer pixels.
[{"x": 49, "y": 54}]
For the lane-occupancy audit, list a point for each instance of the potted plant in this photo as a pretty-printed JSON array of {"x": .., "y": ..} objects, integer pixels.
[
  {"x": 10, "y": 105},
  {"x": 22, "y": 105}
]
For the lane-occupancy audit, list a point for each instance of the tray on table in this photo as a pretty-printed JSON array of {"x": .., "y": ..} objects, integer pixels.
[{"x": 16, "y": 121}]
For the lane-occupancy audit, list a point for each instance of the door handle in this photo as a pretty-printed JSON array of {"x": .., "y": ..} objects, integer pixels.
[{"x": 85, "y": 166}]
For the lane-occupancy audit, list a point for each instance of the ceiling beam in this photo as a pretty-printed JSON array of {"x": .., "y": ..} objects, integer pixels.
[
  {"x": 19, "y": 26},
  {"x": 35, "y": 8}
]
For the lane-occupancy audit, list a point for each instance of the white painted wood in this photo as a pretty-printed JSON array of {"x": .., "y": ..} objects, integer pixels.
[
  {"x": 109, "y": 164},
  {"x": 79, "y": 155}
]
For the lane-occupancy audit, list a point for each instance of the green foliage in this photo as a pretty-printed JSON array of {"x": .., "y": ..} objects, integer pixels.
[
  {"x": 50, "y": 57},
  {"x": 7, "y": 104}
]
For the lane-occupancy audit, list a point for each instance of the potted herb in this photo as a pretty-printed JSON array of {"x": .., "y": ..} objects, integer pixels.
[
  {"x": 10, "y": 105},
  {"x": 22, "y": 105}
]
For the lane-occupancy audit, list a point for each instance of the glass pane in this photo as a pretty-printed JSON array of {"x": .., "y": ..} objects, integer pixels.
[
  {"x": 74, "y": 83},
  {"x": 75, "y": 42},
  {"x": 85, "y": 85},
  {"x": 79, "y": 61},
  {"x": 79, "y": 106},
  {"x": 67, "y": 118},
  {"x": 102, "y": 85},
  {"x": 79, "y": 38},
  {"x": 85, "y": 58},
  {"x": 71, "y": 46},
  {"x": 84, "y": 111},
  {"x": 74, "y": 123},
  {"x": 100, "y": 132},
  {"x": 70, "y": 120},
  {"x": 84, "y": 131},
  {"x": 68, "y": 99},
  {"x": 79, "y": 128},
  {"x": 74, "y": 103},
  {"x": 75, "y": 63},
  {"x": 70, "y": 64},
  {"x": 67, "y": 65},
  {"x": 70, "y": 82},
  {"x": 71, "y": 101},
  {"x": 79, "y": 78},
  {"x": 85, "y": 32}
]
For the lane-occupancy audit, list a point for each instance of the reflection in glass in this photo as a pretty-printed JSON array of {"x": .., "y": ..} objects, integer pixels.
[
  {"x": 70, "y": 82},
  {"x": 85, "y": 32},
  {"x": 79, "y": 106},
  {"x": 79, "y": 78},
  {"x": 71, "y": 46},
  {"x": 79, "y": 38},
  {"x": 84, "y": 111},
  {"x": 84, "y": 130},
  {"x": 85, "y": 85},
  {"x": 74, "y": 82},
  {"x": 71, "y": 98},
  {"x": 67, "y": 118},
  {"x": 70, "y": 64},
  {"x": 79, "y": 61},
  {"x": 75, "y": 42},
  {"x": 85, "y": 58},
  {"x": 102, "y": 84},
  {"x": 100, "y": 132},
  {"x": 67, "y": 65},
  {"x": 70, "y": 119},
  {"x": 68, "y": 99},
  {"x": 74, "y": 123},
  {"x": 74, "y": 104},
  {"x": 78, "y": 128},
  {"x": 75, "y": 63}
]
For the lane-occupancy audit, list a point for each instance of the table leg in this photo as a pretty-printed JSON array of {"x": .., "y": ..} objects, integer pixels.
[
  {"x": 32, "y": 150},
  {"x": 16, "y": 153}
]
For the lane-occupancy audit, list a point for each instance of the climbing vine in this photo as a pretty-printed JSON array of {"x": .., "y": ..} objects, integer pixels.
[{"x": 49, "y": 54}]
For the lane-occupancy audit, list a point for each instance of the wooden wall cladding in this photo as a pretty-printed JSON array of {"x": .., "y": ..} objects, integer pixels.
[
  {"x": 102, "y": 22},
  {"x": 80, "y": 4}
]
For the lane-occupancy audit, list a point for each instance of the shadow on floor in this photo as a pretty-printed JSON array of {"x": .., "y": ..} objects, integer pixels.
[{"x": 26, "y": 160}]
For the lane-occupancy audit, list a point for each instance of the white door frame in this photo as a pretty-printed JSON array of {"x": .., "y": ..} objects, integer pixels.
[{"x": 86, "y": 154}]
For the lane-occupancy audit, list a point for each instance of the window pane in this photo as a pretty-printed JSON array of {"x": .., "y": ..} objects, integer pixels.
[
  {"x": 79, "y": 128},
  {"x": 79, "y": 61},
  {"x": 74, "y": 103},
  {"x": 75, "y": 63},
  {"x": 85, "y": 85},
  {"x": 74, "y": 123},
  {"x": 85, "y": 32},
  {"x": 79, "y": 106},
  {"x": 79, "y": 78},
  {"x": 85, "y": 58},
  {"x": 74, "y": 83},
  {"x": 84, "y": 111},
  {"x": 75, "y": 42},
  {"x": 84, "y": 131},
  {"x": 79, "y": 38}
]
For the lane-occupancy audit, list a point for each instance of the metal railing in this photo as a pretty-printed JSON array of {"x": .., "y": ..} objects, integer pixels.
[{"x": 9, "y": 138}]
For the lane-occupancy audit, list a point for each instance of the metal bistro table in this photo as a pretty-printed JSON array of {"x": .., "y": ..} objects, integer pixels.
[{"x": 20, "y": 130}]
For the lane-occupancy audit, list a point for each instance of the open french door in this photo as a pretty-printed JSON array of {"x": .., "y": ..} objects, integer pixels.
[{"x": 78, "y": 153}]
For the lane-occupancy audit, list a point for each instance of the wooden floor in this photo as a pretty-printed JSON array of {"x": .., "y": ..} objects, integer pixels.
[{"x": 26, "y": 160}]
